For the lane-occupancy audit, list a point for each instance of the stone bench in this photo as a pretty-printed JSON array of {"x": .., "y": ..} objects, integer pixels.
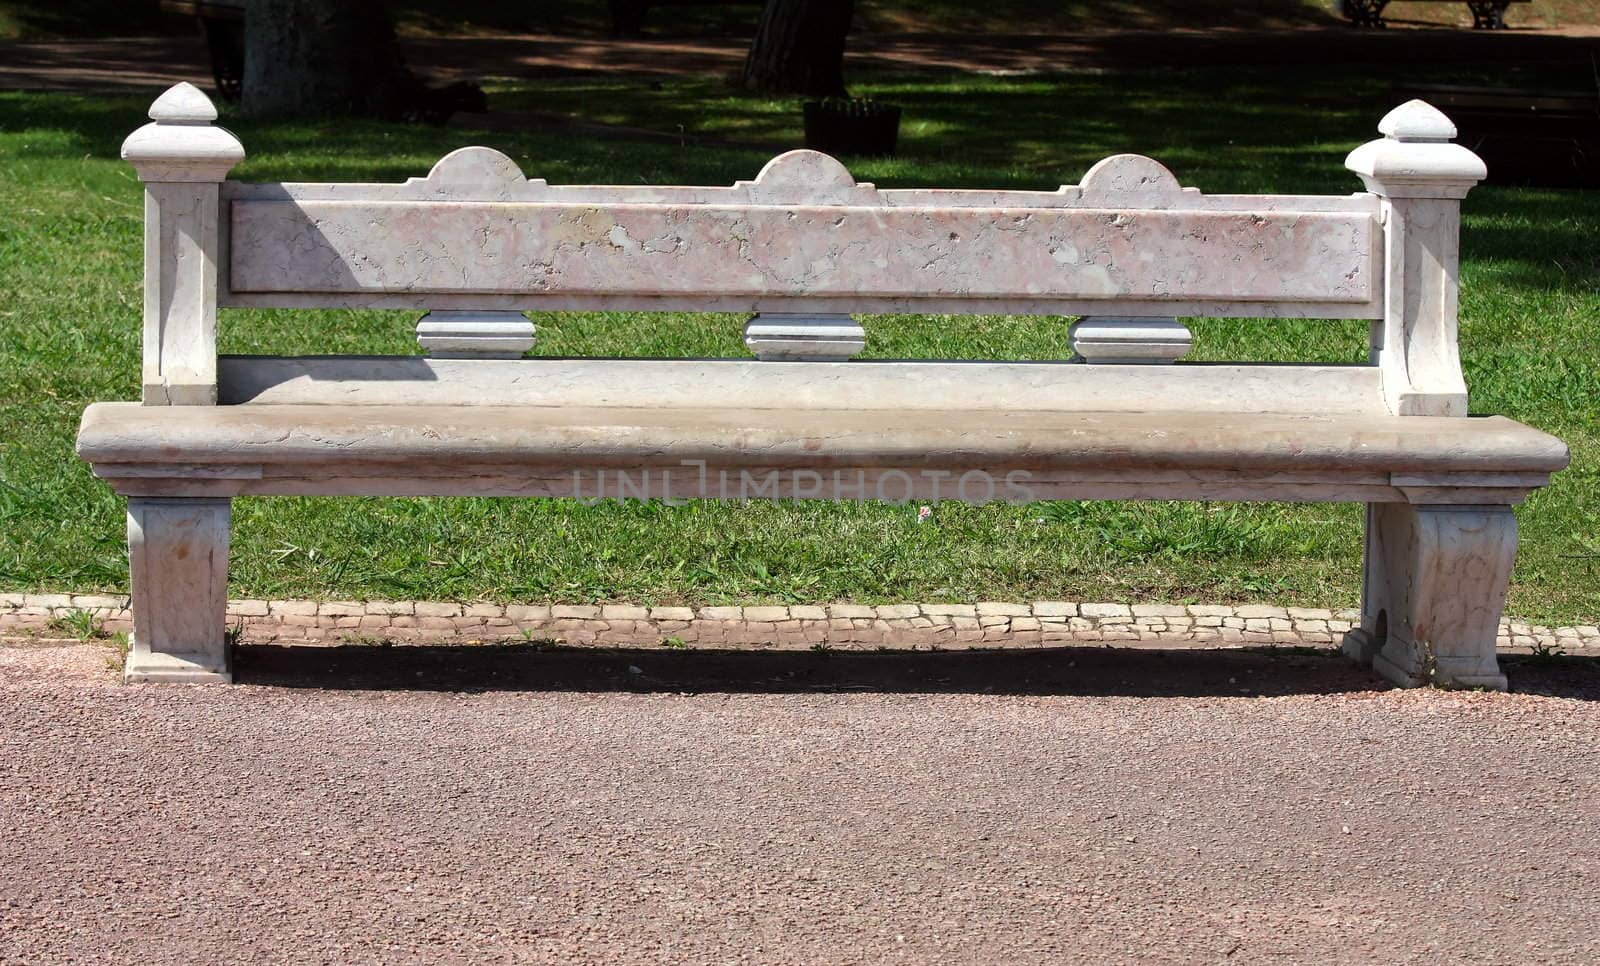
[{"x": 803, "y": 246}]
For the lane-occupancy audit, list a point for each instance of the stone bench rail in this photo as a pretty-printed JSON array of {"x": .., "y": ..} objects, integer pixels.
[{"x": 802, "y": 247}]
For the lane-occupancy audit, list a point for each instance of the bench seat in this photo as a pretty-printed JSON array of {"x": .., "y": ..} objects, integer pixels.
[{"x": 523, "y": 450}]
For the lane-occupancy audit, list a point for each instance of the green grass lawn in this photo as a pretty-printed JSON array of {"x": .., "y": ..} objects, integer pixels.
[{"x": 69, "y": 330}]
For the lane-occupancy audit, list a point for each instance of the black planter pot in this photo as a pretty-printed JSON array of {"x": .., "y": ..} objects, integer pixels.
[{"x": 847, "y": 126}]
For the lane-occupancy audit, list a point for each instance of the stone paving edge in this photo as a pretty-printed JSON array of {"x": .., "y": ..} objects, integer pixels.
[{"x": 985, "y": 624}]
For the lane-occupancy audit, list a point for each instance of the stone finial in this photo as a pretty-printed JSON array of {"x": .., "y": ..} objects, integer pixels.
[
  {"x": 1417, "y": 121},
  {"x": 1415, "y": 158},
  {"x": 183, "y": 103},
  {"x": 180, "y": 144}
]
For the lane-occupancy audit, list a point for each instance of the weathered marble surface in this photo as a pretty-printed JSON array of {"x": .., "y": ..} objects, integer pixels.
[
  {"x": 565, "y": 451},
  {"x": 1434, "y": 586},
  {"x": 178, "y": 565},
  {"x": 795, "y": 178},
  {"x": 476, "y": 234},
  {"x": 940, "y": 256},
  {"x": 740, "y": 384},
  {"x": 632, "y": 436}
]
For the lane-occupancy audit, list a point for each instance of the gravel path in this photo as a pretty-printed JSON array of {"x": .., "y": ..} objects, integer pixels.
[{"x": 518, "y": 805}]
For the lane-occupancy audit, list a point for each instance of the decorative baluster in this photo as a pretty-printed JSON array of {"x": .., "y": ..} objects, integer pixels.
[
  {"x": 1435, "y": 576},
  {"x": 1129, "y": 341},
  {"x": 803, "y": 337},
  {"x": 475, "y": 334}
]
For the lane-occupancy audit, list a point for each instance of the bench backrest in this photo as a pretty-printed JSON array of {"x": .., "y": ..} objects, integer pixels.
[
  {"x": 805, "y": 238},
  {"x": 802, "y": 237}
]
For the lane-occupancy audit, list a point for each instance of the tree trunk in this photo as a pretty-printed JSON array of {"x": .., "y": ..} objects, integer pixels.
[
  {"x": 321, "y": 57},
  {"x": 799, "y": 48}
]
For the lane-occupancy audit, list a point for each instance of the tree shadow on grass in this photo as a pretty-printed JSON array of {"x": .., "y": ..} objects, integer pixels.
[{"x": 1084, "y": 671}]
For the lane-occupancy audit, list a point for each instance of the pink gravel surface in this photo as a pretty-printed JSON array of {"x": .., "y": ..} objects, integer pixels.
[{"x": 398, "y": 805}]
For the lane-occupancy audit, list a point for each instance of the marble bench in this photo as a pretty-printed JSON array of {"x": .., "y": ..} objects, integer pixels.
[{"x": 799, "y": 249}]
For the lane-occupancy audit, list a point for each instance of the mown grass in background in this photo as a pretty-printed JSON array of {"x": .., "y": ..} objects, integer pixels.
[
  {"x": 45, "y": 19},
  {"x": 69, "y": 331}
]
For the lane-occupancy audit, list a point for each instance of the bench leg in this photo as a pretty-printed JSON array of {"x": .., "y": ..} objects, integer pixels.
[
  {"x": 178, "y": 562},
  {"x": 1365, "y": 13},
  {"x": 1433, "y": 587},
  {"x": 1488, "y": 14}
]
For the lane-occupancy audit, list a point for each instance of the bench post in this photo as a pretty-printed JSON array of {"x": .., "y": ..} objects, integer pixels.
[
  {"x": 181, "y": 159},
  {"x": 1435, "y": 576},
  {"x": 178, "y": 548},
  {"x": 1432, "y": 593},
  {"x": 178, "y": 569},
  {"x": 1421, "y": 178}
]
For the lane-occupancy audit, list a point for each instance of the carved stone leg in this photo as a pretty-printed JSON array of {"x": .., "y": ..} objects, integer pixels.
[
  {"x": 178, "y": 561},
  {"x": 1434, "y": 585}
]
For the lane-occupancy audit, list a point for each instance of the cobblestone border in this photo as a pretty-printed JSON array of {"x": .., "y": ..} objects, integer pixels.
[{"x": 834, "y": 625}]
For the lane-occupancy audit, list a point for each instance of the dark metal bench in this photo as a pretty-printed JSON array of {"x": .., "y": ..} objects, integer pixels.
[
  {"x": 1540, "y": 137},
  {"x": 222, "y": 23},
  {"x": 1486, "y": 14}
]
